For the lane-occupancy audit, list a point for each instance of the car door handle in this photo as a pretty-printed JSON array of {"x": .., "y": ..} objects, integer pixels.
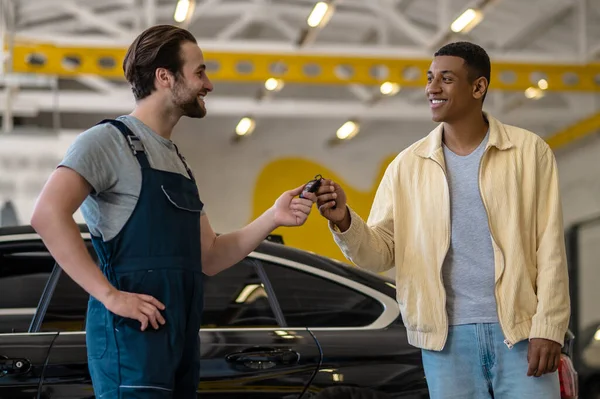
[
  {"x": 13, "y": 366},
  {"x": 263, "y": 358}
]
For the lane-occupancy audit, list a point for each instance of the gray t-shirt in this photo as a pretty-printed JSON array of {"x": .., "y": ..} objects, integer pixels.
[
  {"x": 468, "y": 270},
  {"x": 103, "y": 157}
]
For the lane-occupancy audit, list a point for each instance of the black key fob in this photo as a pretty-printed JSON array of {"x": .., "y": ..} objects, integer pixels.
[{"x": 313, "y": 185}]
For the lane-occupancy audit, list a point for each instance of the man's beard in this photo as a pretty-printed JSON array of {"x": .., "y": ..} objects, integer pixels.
[
  {"x": 187, "y": 102},
  {"x": 191, "y": 108}
]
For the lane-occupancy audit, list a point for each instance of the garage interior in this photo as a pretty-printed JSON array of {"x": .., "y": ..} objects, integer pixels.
[{"x": 304, "y": 87}]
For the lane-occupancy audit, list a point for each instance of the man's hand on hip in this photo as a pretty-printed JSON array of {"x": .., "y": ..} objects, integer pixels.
[
  {"x": 144, "y": 308},
  {"x": 543, "y": 357}
]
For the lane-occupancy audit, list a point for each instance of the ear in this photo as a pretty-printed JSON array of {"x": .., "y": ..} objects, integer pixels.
[
  {"x": 163, "y": 77},
  {"x": 480, "y": 86}
]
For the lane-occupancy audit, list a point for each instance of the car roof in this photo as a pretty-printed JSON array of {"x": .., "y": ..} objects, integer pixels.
[
  {"x": 28, "y": 229},
  {"x": 275, "y": 249}
]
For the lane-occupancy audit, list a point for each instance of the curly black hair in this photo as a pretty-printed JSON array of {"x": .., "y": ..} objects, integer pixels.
[{"x": 476, "y": 59}]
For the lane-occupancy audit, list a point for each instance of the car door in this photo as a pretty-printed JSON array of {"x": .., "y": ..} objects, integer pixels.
[
  {"x": 245, "y": 351},
  {"x": 24, "y": 271},
  {"x": 63, "y": 312},
  {"x": 364, "y": 344}
]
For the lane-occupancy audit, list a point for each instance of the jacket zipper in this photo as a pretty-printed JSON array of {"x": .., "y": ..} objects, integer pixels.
[
  {"x": 506, "y": 340},
  {"x": 448, "y": 237}
]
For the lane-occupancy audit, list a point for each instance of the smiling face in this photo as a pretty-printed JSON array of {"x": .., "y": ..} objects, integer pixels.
[
  {"x": 451, "y": 90},
  {"x": 191, "y": 84}
]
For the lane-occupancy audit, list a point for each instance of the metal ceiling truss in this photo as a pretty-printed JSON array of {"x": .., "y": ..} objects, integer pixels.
[
  {"x": 361, "y": 44},
  {"x": 301, "y": 67}
]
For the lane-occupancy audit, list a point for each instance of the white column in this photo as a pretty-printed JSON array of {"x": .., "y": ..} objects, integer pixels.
[{"x": 7, "y": 16}]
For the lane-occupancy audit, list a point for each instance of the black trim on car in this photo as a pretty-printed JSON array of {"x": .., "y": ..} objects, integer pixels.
[
  {"x": 271, "y": 297},
  {"x": 38, "y": 317}
]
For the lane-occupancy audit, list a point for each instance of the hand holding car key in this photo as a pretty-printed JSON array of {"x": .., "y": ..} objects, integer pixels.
[{"x": 313, "y": 186}]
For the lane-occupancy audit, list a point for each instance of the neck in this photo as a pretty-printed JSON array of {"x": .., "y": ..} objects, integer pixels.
[
  {"x": 464, "y": 135},
  {"x": 157, "y": 115}
]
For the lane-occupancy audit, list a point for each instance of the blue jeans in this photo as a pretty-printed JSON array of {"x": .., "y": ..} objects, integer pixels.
[{"x": 476, "y": 364}]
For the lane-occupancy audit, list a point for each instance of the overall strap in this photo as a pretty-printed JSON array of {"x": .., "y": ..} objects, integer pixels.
[
  {"x": 134, "y": 141},
  {"x": 189, "y": 171}
]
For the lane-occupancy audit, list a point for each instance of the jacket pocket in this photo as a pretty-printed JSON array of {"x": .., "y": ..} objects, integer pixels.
[
  {"x": 525, "y": 301},
  {"x": 186, "y": 201},
  {"x": 96, "y": 329},
  {"x": 414, "y": 313}
]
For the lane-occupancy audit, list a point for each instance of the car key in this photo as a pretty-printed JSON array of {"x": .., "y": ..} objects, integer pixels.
[{"x": 313, "y": 185}]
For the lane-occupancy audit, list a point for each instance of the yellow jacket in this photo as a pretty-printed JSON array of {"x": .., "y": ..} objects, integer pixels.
[{"x": 409, "y": 227}]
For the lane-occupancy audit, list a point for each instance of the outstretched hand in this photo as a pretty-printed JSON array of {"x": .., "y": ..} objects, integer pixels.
[
  {"x": 331, "y": 201},
  {"x": 290, "y": 210}
]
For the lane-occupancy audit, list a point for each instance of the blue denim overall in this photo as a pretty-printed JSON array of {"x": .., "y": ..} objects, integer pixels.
[{"x": 156, "y": 253}]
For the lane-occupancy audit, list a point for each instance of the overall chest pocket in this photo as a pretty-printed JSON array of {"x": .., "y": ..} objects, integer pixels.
[
  {"x": 177, "y": 220},
  {"x": 186, "y": 200}
]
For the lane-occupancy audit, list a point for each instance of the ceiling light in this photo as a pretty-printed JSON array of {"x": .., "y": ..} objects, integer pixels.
[
  {"x": 273, "y": 84},
  {"x": 533, "y": 93},
  {"x": 389, "y": 88},
  {"x": 543, "y": 84},
  {"x": 245, "y": 126},
  {"x": 597, "y": 335},
  {"x": 467, "y": 21},
  {"x": 347, "y": 130},
  {"x": 318, "y": 14},
  {"x": 182, "y": 10}
]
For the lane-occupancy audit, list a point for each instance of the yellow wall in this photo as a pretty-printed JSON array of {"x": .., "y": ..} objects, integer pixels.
[{"x": 286, "y": 173}]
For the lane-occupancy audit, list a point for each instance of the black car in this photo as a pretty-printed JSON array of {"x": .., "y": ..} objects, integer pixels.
[
  {"x": 589, "y": 361},
  {"x": 283, "y": 323}
]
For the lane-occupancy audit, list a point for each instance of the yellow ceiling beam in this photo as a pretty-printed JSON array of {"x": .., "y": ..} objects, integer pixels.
[
  {"x": 575, "y": 132},
  {"x": 65, "y": 61}
]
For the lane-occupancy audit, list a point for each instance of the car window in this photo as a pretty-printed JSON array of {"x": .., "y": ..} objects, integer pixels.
[
  {"x": 68, "y": 305},
  {"x": 23, "y": 276},
  {"x": 235, "y": 298},
  {"x": 308, "y": 300}
]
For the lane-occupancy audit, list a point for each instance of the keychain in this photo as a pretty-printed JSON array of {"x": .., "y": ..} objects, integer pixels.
[{"x": 313, "y": 185}]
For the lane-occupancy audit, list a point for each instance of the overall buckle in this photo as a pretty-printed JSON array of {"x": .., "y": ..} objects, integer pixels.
[{"x": 135, "y": 144}]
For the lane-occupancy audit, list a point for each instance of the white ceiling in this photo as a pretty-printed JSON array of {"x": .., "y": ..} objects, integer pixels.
[{"x": 512, "y": 30}]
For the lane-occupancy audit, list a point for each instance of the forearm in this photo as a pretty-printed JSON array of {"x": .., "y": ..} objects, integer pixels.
[
  {"x": 554, "y": 306},
  {"x": 370, "y": 248},
  {"x": 62, "y": 237},
  {"x": 553, "y": 309},
  {"x": 228, "y": 249}
]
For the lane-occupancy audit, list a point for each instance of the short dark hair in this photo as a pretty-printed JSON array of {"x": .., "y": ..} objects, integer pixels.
[
  {"x": 156, "y": 47},
  {"x": 475, "y": 57}
]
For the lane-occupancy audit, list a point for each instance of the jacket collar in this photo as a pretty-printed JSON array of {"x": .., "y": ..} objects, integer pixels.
[{"x": 498, "y": 138}]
